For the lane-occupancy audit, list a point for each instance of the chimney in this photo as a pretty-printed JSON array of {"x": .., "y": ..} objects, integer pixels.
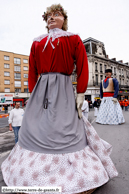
[
  {"x": 114, "y": 59},
  {"x": 121, "y": 61},
  {"x": 107, "y": 56}
]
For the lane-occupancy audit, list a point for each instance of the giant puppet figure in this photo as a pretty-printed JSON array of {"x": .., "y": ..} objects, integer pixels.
[
  {"x": 57, "y": 146},
  {"x": 110, "y": 111}
]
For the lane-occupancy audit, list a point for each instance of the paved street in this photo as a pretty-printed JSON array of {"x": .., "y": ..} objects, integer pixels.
[
  {"x": 118, "y": 136},
  {"x": 3, "y": 122}
]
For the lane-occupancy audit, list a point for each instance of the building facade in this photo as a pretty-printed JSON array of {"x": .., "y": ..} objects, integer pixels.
[
  {"x": 98, "y": 61},
  {"x": 14, "y": 74}
]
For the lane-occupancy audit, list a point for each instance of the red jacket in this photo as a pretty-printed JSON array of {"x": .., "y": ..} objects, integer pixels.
[
  {"x": 125, "y": 103},
  {"x": 61, "y": 59}
]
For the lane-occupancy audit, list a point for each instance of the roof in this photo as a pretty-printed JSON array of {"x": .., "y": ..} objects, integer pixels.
[{"x": 93, "y": 40}]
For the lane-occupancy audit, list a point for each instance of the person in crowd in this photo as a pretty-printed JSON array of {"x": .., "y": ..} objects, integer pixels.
[
  {"x": 6, "y": 108},
  {"x": 57, "y": 145},
  {"x": 121, "y": 104},
  {"x": 95, "y": 105},
  {"x": 110, "y": 111},
  {"x": 85, "y": 108},
  {"x": 126, "y": 104},
  {"x": 15, "y": 120},
  {"x": 99, "y": 102}
]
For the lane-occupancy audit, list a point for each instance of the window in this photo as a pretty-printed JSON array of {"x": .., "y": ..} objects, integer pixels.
[
  {"x": 7, "y": 90},
  {"x": 74, "y": 77},
  {"x": 128, "y": 74},
  {"x": 26, "y": 83},
  {"x": 25, "y": 68},
  {"x": 96, "y": 67},
  {"x": 6, "y": 73},
  {"x": 25, "y": 60},
  {"x": 26, "y": 90},
  {"x": 17, "y": 90},
  {"x": 122, "y": 82},
  {"x": 17, "y": 68},
  {"x": 115, "y": 70},
  {"x": 25, "y": 75},
  {"x": 17, "y": 76},
  {"x": 87, "y": 48},
  {"x": 6, "y": 81},
  {"x": 112, "y": 70},
  {"x": 17, "y": 61},
  {"x": 6, "y": 65},
  {"x": 105, "y": 67},
  {"x": 96, "y": 79},
  {"x": 6, "y": 58},
  {"x": 101, "y": 68},
  {"x": 101, "y": 77},
  {"x": 122, "y": 72},
  {"x": 119, "y": 71},
  {"x": 17, "y": 83}
]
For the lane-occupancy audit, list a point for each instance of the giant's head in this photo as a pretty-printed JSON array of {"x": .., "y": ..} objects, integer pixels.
[
  {"x": 108, "y": 72},
  {"x": 56, "y": 17}
]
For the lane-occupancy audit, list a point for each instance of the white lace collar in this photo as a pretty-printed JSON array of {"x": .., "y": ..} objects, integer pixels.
[{"x": 53, "y": 33}]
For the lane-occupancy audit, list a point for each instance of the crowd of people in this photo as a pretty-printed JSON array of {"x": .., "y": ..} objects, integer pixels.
[{"x": 124, "y": 104}]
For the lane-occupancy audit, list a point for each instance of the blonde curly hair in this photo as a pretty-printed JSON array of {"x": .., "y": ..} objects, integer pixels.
[{"x": 53, "y": 8}]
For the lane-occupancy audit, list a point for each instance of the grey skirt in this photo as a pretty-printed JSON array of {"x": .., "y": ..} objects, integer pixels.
[{"x": 50, "y": 124}]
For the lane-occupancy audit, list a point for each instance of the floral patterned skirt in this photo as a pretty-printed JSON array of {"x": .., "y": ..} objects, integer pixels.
[
  {"x": 75, "y": 172},
  {"x": 110, "y": 113}
]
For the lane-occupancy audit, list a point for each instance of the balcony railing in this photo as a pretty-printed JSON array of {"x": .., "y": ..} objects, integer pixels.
[
  {"x": 124, "y": 86},
  {"x": 18, "y": 85},
  {"x": 17, "y": 70},
  {"x": 17, "y": 77}
]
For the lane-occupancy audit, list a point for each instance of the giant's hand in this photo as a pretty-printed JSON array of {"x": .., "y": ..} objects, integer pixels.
[
  {"x": 79, "y": 102},
  {"x": 114, "y": 100}
]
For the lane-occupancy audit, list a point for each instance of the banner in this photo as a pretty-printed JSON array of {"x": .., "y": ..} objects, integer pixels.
[{"x": 6, "y": 99}]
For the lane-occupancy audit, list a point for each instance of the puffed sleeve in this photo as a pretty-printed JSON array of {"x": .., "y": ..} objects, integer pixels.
[
  {"x": 116, "y": 87},
  {"x": 33, "y": 73},
  {"x": 81, "y": 66}
]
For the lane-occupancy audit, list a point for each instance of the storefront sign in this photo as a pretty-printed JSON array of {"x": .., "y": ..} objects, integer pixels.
[{"x": 6, "y": 99}]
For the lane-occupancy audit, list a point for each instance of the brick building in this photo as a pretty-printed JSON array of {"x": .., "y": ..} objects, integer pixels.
[{"x": 14, "y": 75}]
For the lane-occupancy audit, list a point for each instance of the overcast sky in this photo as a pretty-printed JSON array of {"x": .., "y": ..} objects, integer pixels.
[{"x": 104, "y": 20}]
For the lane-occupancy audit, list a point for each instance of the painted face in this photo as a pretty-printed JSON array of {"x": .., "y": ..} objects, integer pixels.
[
  {"x": 55, "y": 20},
  {"x": 108, "y": 74}
]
